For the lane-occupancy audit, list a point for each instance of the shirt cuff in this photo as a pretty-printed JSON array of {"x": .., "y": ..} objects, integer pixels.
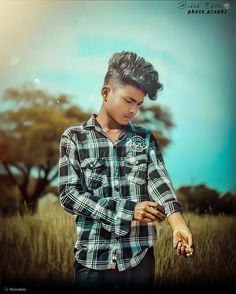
[
  {"x": 172, "y": 206},
  {"x": 124, "y": 216}
]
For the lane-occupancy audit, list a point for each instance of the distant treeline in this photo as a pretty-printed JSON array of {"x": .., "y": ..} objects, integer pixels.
[
  {"x": 198, "y": 199},
  {"x": 201, "y": 199}
]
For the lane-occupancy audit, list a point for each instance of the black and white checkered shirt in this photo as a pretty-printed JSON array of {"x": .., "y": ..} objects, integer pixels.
[{"x": 101, "y": 182}]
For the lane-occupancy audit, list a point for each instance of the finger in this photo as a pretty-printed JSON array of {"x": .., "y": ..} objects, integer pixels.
[
  {"x": 155, "y": 205},
  {"x": 160, "y": 216},
  {"x": 182, "y": 249},
  {"x": 151, "y": 203},
  {"x": 147, "y": 220},
  {"x": 179, "y": 248},
  {"x": 175, "y": 242},
  {"x": 160, "y": 208},
  {"x": 189, "y": 248},
  {"x": 190, "y": 241},
  {"x": 149, "y": 215},
  {"x": 143, "y": 214},
  {"x": 156, "y": 213},
  {"x": 189, "y": 254}
]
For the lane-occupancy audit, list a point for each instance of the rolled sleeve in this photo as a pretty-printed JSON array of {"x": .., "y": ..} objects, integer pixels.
[{"x": 160, "y": 188}]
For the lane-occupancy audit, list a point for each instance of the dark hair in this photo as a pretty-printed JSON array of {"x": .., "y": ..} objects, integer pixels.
[{"x": 128, "y": 68}]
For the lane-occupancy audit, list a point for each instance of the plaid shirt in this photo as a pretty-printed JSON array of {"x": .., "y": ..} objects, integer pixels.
[{"x": 101, "y": 182}]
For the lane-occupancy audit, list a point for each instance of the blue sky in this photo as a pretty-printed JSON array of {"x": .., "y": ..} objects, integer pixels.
[{"x": 64, "y": 47}]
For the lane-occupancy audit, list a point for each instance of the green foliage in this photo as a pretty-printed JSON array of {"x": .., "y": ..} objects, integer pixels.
[
  {"x": 30, "y": 132},
  {"x": 158, "y": 120},
  {"x": 227, "y": 203},
  {"x": 201, "y": 199}
]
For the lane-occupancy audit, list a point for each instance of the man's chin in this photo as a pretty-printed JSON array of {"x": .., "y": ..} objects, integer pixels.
[{"x": 121, "y": 122}]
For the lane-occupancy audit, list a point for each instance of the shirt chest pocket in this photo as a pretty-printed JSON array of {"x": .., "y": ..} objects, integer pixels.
[
  {"x": 135, "y": 169},
  {"x": 95, "y": 172}
]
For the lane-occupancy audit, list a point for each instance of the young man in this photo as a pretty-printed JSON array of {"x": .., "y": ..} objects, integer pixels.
[{"x": 112, "y": 177}]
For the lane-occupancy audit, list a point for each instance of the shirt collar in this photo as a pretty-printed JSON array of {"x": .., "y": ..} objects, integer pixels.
[{"x": 93, "y": 123}]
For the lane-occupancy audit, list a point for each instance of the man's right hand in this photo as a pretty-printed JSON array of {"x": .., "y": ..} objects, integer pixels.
[{"x": 148, "y": 211}]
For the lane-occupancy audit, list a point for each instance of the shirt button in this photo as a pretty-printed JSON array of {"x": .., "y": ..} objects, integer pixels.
[
  {"x": 113, "y": 260},
  {"x": 117, "y": 189}
]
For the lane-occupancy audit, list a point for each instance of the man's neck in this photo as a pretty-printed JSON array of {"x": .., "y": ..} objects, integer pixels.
[{"x": 107, "y": 123}]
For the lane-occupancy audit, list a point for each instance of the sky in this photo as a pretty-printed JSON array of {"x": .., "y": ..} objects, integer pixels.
[{"x": 64, "y": 47}]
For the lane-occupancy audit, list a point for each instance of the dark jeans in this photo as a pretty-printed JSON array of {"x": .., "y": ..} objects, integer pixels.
[{"x": 140, "y": 276}]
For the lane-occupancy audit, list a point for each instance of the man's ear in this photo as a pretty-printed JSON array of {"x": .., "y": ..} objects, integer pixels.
[{"x": 105, "y": 92}]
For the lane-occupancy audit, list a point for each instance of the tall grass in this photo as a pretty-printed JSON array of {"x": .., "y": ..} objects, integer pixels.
[
  {"x": 40, "y": 248},
  {"x": 214, "y": 262}
]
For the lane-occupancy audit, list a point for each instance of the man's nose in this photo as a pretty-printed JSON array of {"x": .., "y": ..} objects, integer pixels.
[{"x": 134, "y": 109}]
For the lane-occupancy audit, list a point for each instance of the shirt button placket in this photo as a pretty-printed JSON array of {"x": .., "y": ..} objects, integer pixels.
[
  {"x": 114, "y": 259},
  {"x": 116, "y": 184}
]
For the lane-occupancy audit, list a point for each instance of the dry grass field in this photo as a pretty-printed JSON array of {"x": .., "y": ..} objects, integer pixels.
[{"x": 39, "y": 249}]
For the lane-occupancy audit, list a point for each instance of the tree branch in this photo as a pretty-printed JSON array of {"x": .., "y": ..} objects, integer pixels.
[
  {"x": 53, "y": 177},
  {"x": 21, "y": 168},
  {"x": 12, "y": 177}
]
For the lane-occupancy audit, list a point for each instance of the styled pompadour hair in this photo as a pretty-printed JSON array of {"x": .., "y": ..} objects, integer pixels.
[{"x": 127, "y": 68}]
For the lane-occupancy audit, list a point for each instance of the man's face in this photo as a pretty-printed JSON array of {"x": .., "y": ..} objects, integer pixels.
[{"x": 123, "y": 102}]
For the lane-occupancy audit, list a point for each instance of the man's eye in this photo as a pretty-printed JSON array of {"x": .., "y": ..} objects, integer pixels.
[{"x": 128, "y": 101}]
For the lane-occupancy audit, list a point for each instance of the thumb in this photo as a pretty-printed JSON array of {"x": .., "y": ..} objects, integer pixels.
[{"x": 175, "y": 242}]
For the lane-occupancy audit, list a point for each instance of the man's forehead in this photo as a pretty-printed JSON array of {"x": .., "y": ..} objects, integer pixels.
[{"x": 131, "y": 92}]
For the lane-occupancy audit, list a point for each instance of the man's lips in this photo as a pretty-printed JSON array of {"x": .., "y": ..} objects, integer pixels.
[{"x": 128, "y": 117}]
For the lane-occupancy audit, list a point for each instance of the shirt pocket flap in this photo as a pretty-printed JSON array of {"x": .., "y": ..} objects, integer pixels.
[
  {"x": 92, "y": 163},
  {"x": 135, "y": 160}
]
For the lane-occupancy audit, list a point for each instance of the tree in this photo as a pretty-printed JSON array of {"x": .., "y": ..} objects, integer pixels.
[
  {"x": 227, "y": 203},
  {"x": 29, "y": 137},
  {"x": 200, "y": 198},
  {"x": 30, "y": 130},
  {"x": 158, "y": 120}
]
